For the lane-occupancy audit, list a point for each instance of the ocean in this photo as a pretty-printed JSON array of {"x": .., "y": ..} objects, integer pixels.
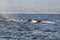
[{"x": 29, "y": 31}]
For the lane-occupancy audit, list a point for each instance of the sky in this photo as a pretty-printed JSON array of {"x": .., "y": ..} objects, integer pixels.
[{"x": 17, "y": 5}]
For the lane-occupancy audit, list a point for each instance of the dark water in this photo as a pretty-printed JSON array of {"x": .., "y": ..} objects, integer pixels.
[{"x": 27, "y": 31}]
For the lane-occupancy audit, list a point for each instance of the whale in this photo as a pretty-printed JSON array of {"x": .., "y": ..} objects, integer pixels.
[
  {"x": 40, "y": 21},
  {"x": 7, "y": 19}
]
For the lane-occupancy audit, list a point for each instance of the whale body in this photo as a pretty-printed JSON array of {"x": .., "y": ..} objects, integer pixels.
[{"x": 40, "y": 21}]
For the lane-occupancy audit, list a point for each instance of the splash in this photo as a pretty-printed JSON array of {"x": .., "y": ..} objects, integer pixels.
[{"x": 8, "y": 19}]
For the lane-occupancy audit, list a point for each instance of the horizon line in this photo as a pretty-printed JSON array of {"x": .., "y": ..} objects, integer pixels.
[{"x": 30, "y": 12}]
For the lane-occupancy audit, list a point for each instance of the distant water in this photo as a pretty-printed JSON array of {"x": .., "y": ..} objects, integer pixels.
[{"x": 27, "y": 31}]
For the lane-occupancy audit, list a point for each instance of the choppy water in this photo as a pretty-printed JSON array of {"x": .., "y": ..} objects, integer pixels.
[{"x": 27, "y": 31}]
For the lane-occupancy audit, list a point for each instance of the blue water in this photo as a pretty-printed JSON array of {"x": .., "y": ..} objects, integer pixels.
[{"x": 29, "y": 31}]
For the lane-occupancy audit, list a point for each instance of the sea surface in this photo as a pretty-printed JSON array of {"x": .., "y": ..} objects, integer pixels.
[{"x": 29, "y": 31}]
